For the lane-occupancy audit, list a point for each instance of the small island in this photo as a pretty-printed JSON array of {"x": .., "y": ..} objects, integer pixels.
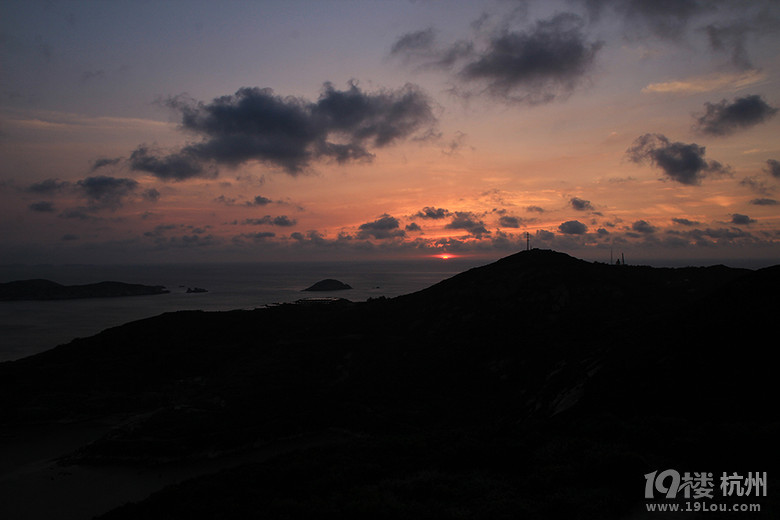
[
  {"x": 40, "y": 289},
  {"x": 191, "y": 290},
  {"x": 328, "y": 284}
]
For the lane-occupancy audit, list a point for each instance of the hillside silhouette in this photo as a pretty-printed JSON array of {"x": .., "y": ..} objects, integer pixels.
[{"x": 539, "y": 386}]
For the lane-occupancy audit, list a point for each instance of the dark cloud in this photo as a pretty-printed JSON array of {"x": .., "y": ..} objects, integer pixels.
[
  {"x": 103, "y": 162},
  {"x": 547, "y": 61},
  {"x": 642, "y": 226},
  {"x": 259, "y": 200},
  {"x": 685, "y": 222},
  {"x": 106, "y": 192},
  {"x": 77, "y": 214},
  {"x": 725, "y": 118},
  {"x": 773, "y": 168},
  {"x": 580, "y": 204},
  {"x": 741, "y": 220},
  {"x": 48, "y": 187},
  {"x": 729, "y": 34},
  {"x": 433, "y": 213},
  {"x": 680, "y": 162},
  {"x": 509, "y": 222},
  {"x": 414, "y": 42},
  {"x": 413, "y": 227},
  {"x": 421, "y": 47},
  {"x": 152, "y": 195},
  {"x": 573, "y": 227},
  {"x": 535, "y": 209},
  {"x": 282, "y": 220},
  {"x": 537, "y": 66},
  {"x": 757, "y": 185},
  {"x": 176, "y": 166},
  {"x": 260, "y": 236},
  {"x": 731, "y": 38},
  {"x": 43, "y": 206},
  {"x": 764, "y": 202},
  {"x": 466, "y": 220},
  {"x": 255, "y": 124},
  {"x": 385, "y": 226},
  {"x": 667, "y": 19}
]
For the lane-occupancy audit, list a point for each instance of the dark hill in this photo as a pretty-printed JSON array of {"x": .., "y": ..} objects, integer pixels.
[
  {"x": 48, "y": 290},
  {"x": 539, "y": 386}
]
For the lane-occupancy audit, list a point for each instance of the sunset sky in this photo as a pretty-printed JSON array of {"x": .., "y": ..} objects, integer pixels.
[{"x": 186, "y": 131}]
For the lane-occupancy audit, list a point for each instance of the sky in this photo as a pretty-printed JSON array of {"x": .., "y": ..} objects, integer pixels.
[{"x": 195, "y": 131}]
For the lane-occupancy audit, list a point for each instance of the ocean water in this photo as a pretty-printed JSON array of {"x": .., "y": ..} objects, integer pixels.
[{"x": 29, "y": 327}]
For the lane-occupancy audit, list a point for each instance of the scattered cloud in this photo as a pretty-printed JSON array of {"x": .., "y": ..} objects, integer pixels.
[
  {"x": 281, "y": 220},
  {"x": 43, "y": 206},
  {"x": 103, "y": 162},
  {"x": 644, "y": 227},
  {"x": 104, "y": 192},
  {"x": 259, "y": 200},
  {"x": 773, "y": 168},
  {"x": 384, "y": 227},
  {"x": 756, "y": 185},
  {"x": 151, "y": 194},
  {"x": 741, "y": 220},
  {"x": 685, "y": 222},
  {"x": 48, "y": 187},
  {"x": 536, "y": 66},
  {"x": 580, "y": 204},
  {"x": 469, "y": 222},
  {"x": 680, "y": 162},
  {"x": 725, "y": 118},
  {"x": 509, "y": 221},
  {"x": 547, "y": 61},
  {"x": 573, "y": 227},
  {"x": 433, "y": 213},
  {"x": 764, "y": 202},
  {"x": 664, "y": 19}
]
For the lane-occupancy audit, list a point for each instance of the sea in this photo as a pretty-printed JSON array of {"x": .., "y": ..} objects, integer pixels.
[{"x": 31, "y": 327}]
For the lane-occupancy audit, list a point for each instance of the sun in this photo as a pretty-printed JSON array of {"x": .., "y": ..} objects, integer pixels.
[{"x": 445, "y": 256}]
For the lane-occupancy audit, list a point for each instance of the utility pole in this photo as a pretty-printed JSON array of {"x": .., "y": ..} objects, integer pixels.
[{"x": 527, "y": 241}]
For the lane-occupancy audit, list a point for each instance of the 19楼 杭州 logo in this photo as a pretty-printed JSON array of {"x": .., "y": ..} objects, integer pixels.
[{"x": 671, "y": 484}]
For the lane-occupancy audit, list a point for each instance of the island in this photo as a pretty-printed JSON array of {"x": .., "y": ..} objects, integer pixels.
[
  {"x": 328, "y": 284},
  {"x": 39, "y": 289}
]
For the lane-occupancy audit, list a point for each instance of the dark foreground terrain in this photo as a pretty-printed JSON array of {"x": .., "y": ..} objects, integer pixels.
[{"x": 540, "y": 386}]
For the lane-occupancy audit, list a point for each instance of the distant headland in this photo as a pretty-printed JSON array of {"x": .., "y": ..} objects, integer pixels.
[{"x": 39, "y": 289}]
